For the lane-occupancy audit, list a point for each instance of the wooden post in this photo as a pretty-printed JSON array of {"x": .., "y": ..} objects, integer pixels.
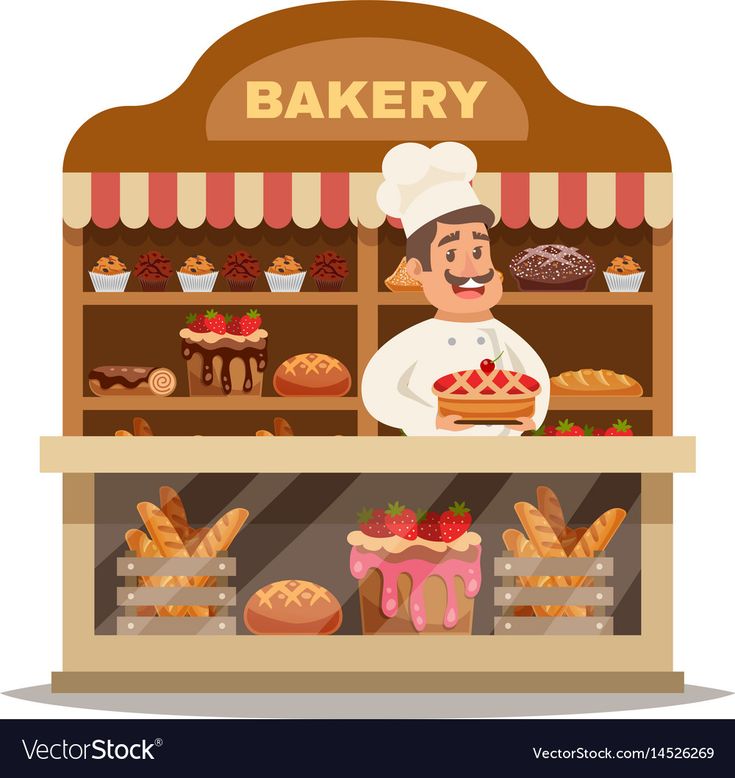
[
  {"x": 661, "y": 334},
  {"x": 73, "y": 320},
  {"x": 367, "y": 315}
]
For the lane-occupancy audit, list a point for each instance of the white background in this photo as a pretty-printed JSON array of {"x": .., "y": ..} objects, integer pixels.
[{"x": 63, "y": 62}]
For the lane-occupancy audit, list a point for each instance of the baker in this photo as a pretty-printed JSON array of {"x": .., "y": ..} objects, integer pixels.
[{"x": 448, "y": 253}]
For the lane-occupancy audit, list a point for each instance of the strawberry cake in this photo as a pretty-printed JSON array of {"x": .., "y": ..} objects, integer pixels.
[
  {"x": 418, "y": 572},
  {"x": 225, "y": 354},
  {"x": 488, "y": 394}
]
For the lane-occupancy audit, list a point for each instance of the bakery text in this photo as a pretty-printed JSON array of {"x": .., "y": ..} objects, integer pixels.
[{"x": 363, "y": 100}]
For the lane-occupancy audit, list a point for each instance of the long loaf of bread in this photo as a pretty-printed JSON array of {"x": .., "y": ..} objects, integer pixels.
[
  {"x": 595, "y": 382},
  {"x": 164, "y": 535},
  {"x": 143, "y": 546},
  {"x": 543, "y": 537},
  {"x": 521, "y": 547}
]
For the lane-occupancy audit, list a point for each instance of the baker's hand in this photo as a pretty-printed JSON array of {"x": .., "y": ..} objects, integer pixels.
[
  {"x": 524, "y": 423},
  {"x": 450, "y": 423}
]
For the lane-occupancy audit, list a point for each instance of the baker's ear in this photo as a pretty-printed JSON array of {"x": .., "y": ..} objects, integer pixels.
[{"x": 414, "y": 268}]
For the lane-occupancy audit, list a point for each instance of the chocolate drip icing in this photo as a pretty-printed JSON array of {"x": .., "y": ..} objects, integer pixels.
[{"x": 260, "y": 355}]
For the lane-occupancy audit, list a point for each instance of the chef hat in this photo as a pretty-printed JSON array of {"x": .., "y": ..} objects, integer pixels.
[{"x": 423, "y": 183}]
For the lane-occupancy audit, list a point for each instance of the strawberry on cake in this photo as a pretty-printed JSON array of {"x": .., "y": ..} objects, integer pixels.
[
  {"x": 225, "y": 354},
  {"x": 418, "y": 572}
]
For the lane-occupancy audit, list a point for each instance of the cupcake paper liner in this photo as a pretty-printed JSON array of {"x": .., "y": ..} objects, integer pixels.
[
  {"x": 329, "y": 284},
  {"x": 159, "y": 285},
  {"x": 241, "y": 284},
  {"x": 285, "y": 283},
  {"x": 617, "y": 282},
  {"x": 102, "y": 282},
  {"x": 197, "y": 283}
]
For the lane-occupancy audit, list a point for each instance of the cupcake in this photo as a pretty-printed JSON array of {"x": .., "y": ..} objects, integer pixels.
[
  {"x": 285, "y": 275},
  {"x": 241, "y": 270},
  {"x": 329, "y": 271},
  {"x": 153, "y": 271},
  {"x": 624, "y": 274},
  {"x": 109, "y": 274},
  {"x": 197, "y": 274}
]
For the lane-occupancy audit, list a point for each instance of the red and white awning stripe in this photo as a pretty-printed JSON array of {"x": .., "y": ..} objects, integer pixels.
[{"x": 338, "y": 198}]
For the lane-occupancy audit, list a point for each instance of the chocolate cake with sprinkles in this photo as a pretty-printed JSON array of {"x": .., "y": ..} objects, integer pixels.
[{"x": 552, "y": 267}]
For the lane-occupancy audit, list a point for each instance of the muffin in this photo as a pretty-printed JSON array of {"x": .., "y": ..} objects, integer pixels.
[
  {"x": 285, "y": 274},
  {"x": 552, "y": 268},
  {"x": 109, "y": 274},
  {"x": 153, "y": 271},
  {"x": 329, "y": 271},
  {"x": 197, "y": 274},
  {"x": 241, "y": 270},
  {"x": 624, "y": 274}
]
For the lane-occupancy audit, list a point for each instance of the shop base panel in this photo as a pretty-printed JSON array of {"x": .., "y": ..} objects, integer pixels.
[{"x": 368, "y": 682}]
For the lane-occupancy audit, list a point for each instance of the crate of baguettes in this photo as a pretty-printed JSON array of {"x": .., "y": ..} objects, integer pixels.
[
  {"x": 554, "y": 577},
  {"x": 176, "y": 577}
]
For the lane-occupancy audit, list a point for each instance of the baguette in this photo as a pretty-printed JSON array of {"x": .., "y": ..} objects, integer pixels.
[
  {"x": 597, "y": 383},
  {"x": 168, "y": 541},
  {"x": 549, "y": 505},
  {"x": 221, "y": 534},
  {"x": 516, "y": 542},
  {"x": 599, "y": 533},
  {"x": 282, "y": 427},
  {"x": 548, "y": 544},
  {"x": 143, "y": 546},
  {"x": 141, "y": 427},
  {"x": 173, "y": 507},
  {"x": 539, "y": 530}
]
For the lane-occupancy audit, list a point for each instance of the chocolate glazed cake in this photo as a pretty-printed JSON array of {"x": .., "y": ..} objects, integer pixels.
[
  {"x": 552, "y": 267},
  {"x": 225, "y": 364}
]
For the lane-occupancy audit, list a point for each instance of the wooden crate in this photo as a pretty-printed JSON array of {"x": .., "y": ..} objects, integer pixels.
[
  {"x": 510, "y": 594},
  {"x": 134, "y": 597}
]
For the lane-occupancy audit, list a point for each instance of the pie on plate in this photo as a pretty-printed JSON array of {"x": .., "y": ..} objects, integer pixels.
[{"x": 488, "y": 394}]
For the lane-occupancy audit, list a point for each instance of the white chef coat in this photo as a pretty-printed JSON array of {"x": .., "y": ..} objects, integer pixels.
[{"x": 396, "y": 385}]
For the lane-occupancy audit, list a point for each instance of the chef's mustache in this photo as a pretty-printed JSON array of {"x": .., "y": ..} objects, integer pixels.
[{"x": 459, "y": 280}]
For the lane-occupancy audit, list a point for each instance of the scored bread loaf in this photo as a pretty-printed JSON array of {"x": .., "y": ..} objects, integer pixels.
[
  {"x": 595, "y": 382},
  {"x": 316, "y": 375},
  {"x": 293, "y": 608}
]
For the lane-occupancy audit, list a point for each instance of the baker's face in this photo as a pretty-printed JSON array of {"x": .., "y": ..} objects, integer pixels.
[{"x": 462, "y": 278}]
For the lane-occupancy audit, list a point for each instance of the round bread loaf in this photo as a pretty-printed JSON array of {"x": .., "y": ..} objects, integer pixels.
[
  {"x": 312, "y": 374},
  {"x": 293, "y": 608}
]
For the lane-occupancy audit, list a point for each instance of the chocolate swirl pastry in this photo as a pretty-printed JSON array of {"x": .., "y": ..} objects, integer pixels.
[
  {"x": 552, "y": 267},
  {"x": 131, "y": 379}
]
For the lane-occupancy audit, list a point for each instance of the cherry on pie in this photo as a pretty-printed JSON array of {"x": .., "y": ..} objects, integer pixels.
[{"x": 487, "y": 394}]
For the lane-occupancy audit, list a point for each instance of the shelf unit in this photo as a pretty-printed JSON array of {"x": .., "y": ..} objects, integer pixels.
[{"x": 372, "y": 304}]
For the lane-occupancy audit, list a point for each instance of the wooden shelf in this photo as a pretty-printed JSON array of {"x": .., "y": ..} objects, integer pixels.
[
  {"x": 151, "y": 403},
  {"x": 602, "y": 404},
  {"x": 535, "y": 298},
  {"x": 200, "y": 300},
  {"x": 366, "y": 455}
]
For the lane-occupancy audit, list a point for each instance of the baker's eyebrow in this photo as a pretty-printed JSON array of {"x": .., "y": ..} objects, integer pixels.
[
  {"x": 481, "y": 236},
  {"x": 449, "y": 238}
]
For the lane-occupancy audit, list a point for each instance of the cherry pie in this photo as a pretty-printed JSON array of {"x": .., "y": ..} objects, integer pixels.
[{"x": 487, "y": 394}]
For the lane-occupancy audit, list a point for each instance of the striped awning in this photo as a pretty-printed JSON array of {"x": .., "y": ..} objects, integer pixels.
[{"x": 247, "y": 199}]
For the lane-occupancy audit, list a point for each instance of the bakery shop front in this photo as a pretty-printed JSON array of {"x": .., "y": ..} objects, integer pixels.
[{"x": 375, "y": 350}]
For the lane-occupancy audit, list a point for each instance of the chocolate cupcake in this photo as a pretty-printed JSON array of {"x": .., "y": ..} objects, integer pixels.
[
  {"x": 329, "y": 271},
  {"x": 241, "y": 270},
  {"x": 552, "y": 267},
  {"x": 153, "y": 271}
]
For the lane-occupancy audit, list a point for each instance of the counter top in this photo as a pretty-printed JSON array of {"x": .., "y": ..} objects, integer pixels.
[{"x": 367, "y": 455}]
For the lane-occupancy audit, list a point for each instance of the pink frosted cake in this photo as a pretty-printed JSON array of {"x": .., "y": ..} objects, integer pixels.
[{"x": 417, "y": 585}]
